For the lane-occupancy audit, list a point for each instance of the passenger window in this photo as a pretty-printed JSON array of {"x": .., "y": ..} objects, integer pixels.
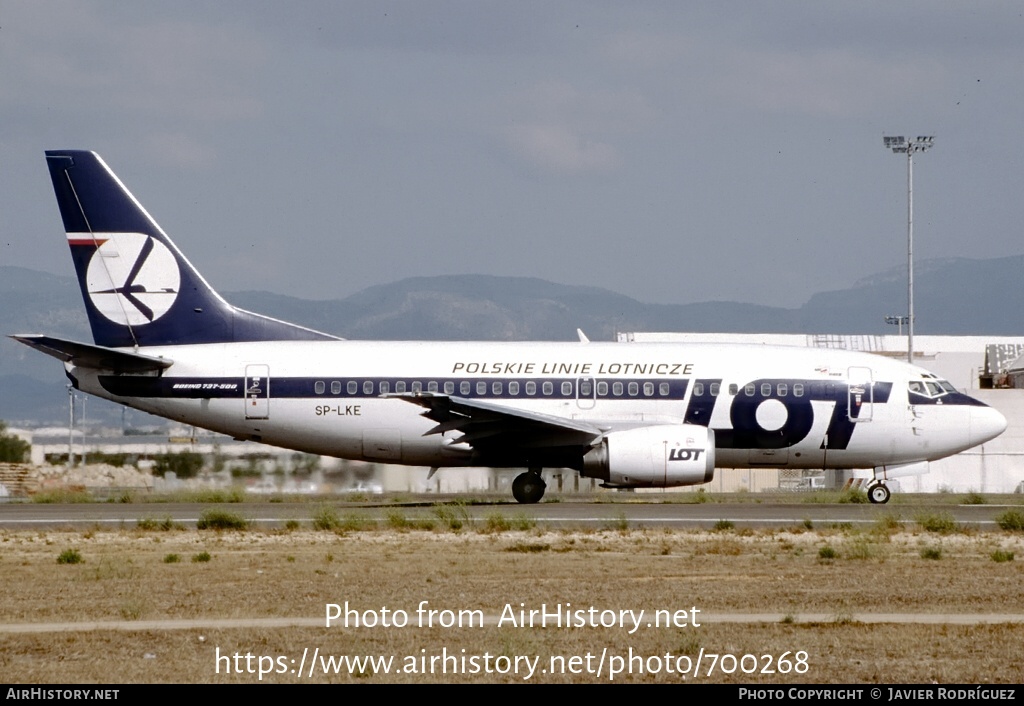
[
  {"x": 449, "y": 387},
  {"x": 733, "y": 389},
  {"x": 432, "y": 386},
  {"x": 749, "y": 390},
  {"x": 766, "y": 389},
  {"x": 513, "y": 388},
  {"x": 634, "y": 389},
  {"x": 352, "y": 387},
  {"x": 798, "y": 389},
  {"x": 715, "y": 388},
  {"x": 663, "y": 389},
  {"x": 368, "y": 387},
  {"x": 782, "y": 389},
  {"x": 531, "y": 388},
  {"x": 384, "y": 387},
  {"x": 567, "y": 389},
  {"x": 319, "y": 387},
  {"x": 400, "y": 386},
  {"x": 586, "y": 388},
  {"x": 495, "y": 388},
  {"x": 648, "y": 389},
  {"x": 417, "y": 386},
  {"x": 617, "y": 389},
  {"x": 465, "y": 387},
  {"x": 698, "y": 389},
  {"x": 547, "y": 388},
  {"x": 602, "y": 389},
  {"x": 481, "y": 388},
  {"x": 336, "y": 387}
]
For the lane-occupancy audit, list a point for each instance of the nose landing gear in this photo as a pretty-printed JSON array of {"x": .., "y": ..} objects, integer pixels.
[{"x": 878, "y": 493}]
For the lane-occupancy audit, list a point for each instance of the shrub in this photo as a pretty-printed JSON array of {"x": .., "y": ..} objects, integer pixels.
[
  {"x": 70, "y": 556},
  {"x": 940, "y": 522},
  {"x": 931, "y": 553},
  {"x": 13, "y": 449},
  {"x": 827, "y": 553},
  {"x": 201, "y": 557},
  {"x": 1011, "y": 521},
  {"x": 325, "y": 518},
  {"x": 724, "y": 525},
  {"x": 172, "y": 558},
  {"x": 218, "y": 519}
]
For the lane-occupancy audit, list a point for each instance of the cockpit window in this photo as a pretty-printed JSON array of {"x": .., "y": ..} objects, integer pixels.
[{"x": 931, "y": 387}]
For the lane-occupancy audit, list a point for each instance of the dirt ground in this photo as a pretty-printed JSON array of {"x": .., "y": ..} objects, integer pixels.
[{"x": 796, "y": 606}]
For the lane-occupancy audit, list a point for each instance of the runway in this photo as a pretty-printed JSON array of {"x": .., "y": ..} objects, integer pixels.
[{"x": 558, "y": 515}]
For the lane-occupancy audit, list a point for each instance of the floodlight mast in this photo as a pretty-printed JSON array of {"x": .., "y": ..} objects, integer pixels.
[{"x": 901, "y": 145}]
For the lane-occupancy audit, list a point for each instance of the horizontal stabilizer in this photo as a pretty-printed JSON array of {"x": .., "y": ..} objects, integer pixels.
[{"x": 89, "y": 356}]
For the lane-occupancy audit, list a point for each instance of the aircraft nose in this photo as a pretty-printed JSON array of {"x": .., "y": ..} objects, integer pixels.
[{"x": 986, "y": 424}]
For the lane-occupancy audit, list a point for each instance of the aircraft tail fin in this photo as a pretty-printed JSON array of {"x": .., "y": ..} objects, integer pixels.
[{"x": 138, "y": 288}]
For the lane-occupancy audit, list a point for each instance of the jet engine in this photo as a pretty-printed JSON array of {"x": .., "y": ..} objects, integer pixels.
[{"x": 660, "y": 456}]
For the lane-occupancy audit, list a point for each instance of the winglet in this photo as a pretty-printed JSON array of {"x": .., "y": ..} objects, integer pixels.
[{"x": 583, "y": 336}]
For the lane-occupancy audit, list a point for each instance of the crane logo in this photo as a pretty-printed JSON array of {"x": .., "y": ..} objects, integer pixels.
[{"x": 132, "y": 279}]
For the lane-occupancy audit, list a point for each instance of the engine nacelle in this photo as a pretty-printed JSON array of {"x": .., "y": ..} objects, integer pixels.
[{"x": 653, "y": 457}]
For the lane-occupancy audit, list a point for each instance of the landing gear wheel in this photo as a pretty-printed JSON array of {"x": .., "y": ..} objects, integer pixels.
[
  {"x": 528, "y": 488},
  {"x": 878, "y": 493}
]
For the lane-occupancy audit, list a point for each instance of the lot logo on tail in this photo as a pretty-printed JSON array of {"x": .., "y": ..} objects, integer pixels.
[{"x": 132, "y": 278}]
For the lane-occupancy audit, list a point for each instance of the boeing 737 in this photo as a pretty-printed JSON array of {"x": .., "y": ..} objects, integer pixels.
[{"x": 632, "y": 415}]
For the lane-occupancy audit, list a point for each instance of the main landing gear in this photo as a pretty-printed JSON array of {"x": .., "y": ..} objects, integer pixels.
[
  {"x": 529, "y": 487},
  {"x": 878, "y": 493}
]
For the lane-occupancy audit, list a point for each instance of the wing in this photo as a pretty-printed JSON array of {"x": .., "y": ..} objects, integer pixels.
[{"x": 493, "y": 428}]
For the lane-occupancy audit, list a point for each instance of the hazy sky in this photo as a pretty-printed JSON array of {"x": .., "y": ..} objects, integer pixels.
[{"x": 674, "y": 152}]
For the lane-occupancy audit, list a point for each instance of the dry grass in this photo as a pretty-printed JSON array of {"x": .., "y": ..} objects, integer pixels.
[{"x": 124, "y": 576}]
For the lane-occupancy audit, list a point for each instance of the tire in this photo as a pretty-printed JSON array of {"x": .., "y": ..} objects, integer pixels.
[{"x": 528, "y": 488}]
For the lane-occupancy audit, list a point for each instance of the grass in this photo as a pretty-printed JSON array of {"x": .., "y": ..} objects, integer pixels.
[
  {"x": 453, "y": 516},
  {"x": 164, "y": 524},
  {"x": 1001, "y": 556}
]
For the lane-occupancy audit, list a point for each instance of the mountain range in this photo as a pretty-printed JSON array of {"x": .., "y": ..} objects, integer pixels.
[{"x": 958, "y": 296}]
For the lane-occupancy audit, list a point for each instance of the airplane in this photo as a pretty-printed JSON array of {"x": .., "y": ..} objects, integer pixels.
[{"x": 637, "y": 415}]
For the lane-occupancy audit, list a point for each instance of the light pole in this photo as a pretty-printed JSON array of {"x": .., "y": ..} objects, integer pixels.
[
  {"x": 897, "y": 321},
  {"x": 901, "y": 145}
]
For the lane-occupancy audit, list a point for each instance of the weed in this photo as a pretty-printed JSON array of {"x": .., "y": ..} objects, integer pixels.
[
  {"x": 292, "y": 525},
  {"x": 325, "y": 518},
  {"x": 938, "y": 522},
  {"x": 887, "y": 524},
  {"x": 172, "y": 558},
  {"x": 827, "y": 553},
  {"x": 62, "y": 497},
  {"x": 495, "y": 523},
  {"x": 151, "y": 524},
  {"x": 808, "y": 524},
  {"x": 453, "y": 516},
  {"x": 522, "y": 522},
  {"x": 974, "y": 498},
  {"x": 1011, "y": 521},
  {"x": 724, "y": 525},
  {"x": 1001, "y": 555},
  {"x": 934, "y": 553},
  {"x": 788, "y": 619},
  {"x": 529, "y": 548},
  {"x": 70, "y": 556},
  {"x": 620, "y": 523},
  {"x": 218, "y": 519},
  {"x": 853, "y": 495},
  {"x": 861, "y": 548},
  {"x": 201, "y": 557}
]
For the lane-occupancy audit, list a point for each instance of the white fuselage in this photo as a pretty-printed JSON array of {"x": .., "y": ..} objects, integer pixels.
[{"x": 768, "y": 405}]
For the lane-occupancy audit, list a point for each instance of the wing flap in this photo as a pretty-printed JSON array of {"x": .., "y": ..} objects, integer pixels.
[{"x": 486, "y": 424}]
